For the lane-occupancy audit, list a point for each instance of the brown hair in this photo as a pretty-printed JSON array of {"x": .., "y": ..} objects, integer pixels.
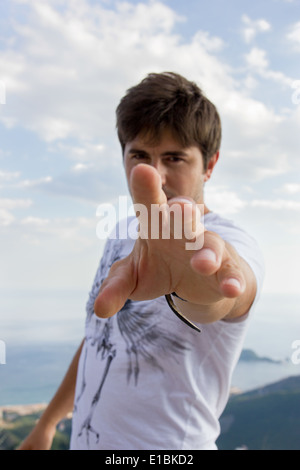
[{"x": 169, "y": 101}]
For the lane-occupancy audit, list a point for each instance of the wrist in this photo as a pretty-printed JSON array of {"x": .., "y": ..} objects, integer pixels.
[
  {"x": 178, "y": 313},
  {"x": 50, "y": 419}
]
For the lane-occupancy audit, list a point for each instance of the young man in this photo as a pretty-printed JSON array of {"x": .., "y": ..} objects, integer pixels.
[{"x": 165, "y": 320}]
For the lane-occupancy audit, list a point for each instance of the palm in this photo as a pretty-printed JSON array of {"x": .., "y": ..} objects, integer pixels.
[{"x": 157, "y": 267}]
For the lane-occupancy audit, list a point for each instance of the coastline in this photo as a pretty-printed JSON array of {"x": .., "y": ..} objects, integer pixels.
[
  {"x": 10, "y": 412},
  {"x": 22, "y": 410}
]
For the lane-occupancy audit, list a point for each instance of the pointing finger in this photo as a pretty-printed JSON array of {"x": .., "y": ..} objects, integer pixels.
[{"x": 146, "y": 187}]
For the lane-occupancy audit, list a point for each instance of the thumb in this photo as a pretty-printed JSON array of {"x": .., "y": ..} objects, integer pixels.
[{"x": 115, "y": 289}]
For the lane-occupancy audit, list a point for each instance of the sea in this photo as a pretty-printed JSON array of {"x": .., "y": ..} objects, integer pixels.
[{"x": 41, "y": 330}]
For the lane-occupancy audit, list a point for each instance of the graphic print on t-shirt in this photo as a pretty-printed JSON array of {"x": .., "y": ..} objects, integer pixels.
[{"x": 141, "y": 333}]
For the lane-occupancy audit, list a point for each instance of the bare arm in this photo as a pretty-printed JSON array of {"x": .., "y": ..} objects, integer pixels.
[
  {"x": 61, "y": 404},
  {"x": 213, "y": 279}
]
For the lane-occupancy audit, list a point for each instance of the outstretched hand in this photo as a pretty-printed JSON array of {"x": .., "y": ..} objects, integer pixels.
[{"x": 158, "y": 266}]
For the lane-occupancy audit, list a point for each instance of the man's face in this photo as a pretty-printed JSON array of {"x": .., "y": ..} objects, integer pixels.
[{"x": 181, "y": 169}]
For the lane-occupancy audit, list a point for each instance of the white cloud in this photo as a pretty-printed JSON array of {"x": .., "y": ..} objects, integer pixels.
[
  {"x": 291, "y": 188},
  {"x": 293, "y": 36},
  {"x": 66, "y": 68},
  {"x": 7, "y": 206},
  {"x": 226, "y": 202},
  {"x": 73, "y": 81},
  {"x": 70, "y": 229},
  {"x": 210, "y": 43},
  {"x": 277, "y": 204},
  {"x": 6, "y": 218},
  {"x": 76, "y": 62},
  {"x": 11, "y": 204},
  {"x": 6, "y": 176},
  {"x": 275, "y": 167},
  {"x": 13, "y": 180},
  {"x": 77, "y": 232},
  {"x": 258, "y": 63},
  {"x": 253, "y": 27},
  {"x": 86, "y": 152},
  {"x": 44, "y": 253},
  {"x": 257, "y": 58},
  {"x": 34, "y": 183},
  {"x": 80, "y": 167}
]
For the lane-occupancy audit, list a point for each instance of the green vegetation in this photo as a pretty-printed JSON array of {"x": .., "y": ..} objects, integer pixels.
[
  {"x": 13, "y": 432},
  {"x": 264, "y": 419}
]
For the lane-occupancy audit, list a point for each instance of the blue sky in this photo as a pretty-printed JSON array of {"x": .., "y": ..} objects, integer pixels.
[{"x": 65, "y": 64}]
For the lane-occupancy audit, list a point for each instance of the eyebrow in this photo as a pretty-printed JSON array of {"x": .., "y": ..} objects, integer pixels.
[{"x": 172, "y": 153}]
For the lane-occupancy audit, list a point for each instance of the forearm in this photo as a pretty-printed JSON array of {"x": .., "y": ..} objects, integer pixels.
[
  {"x": 41, "y": 437},
  {"x": 63, "y": 401}
]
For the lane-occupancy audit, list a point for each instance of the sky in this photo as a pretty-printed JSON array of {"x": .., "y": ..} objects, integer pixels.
[{"x": 64, "y": 66}]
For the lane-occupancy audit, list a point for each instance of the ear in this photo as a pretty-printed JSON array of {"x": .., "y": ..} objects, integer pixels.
[{"x": 211, "y": 164}]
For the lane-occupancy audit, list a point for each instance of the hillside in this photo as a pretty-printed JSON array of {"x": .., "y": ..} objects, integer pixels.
[
  {"x": 248, "y": 355},
  {"x": 266, "y": 418},
  {"x": 16, "y": 423},
  {"x": 263, "y": 419}
]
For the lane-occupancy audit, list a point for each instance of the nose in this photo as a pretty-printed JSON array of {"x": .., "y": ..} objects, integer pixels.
[{"x": 161, "y": 169}]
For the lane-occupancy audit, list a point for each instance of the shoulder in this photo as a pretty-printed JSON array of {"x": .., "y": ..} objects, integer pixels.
[
  {"x": 230, "y": 232},
  {"x": 223, "y": 226}
]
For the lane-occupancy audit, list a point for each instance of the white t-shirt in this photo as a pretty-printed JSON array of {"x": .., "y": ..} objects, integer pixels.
[{"x": 148, "y": 381}]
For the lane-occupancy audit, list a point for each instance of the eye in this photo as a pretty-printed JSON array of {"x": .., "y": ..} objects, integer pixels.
[
  {"x": 139, "y": 156},
  {"x": 173, "y": 159}
]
